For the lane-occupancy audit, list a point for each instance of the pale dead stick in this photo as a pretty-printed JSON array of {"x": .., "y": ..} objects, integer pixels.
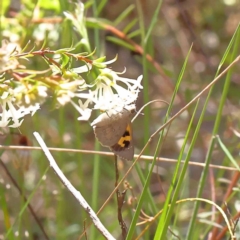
[{"x": 73, "y": 190}]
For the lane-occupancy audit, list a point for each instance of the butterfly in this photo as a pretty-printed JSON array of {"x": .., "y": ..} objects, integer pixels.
[{"x": 113, "y": 129}]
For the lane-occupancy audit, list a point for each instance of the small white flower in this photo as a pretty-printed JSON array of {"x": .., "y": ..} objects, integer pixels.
[
  {"x": 78, "y": 19},
  {"x": 6, "y": 62},
  {"x": 67, "y": 90},
  {"x": 85, "y": 68},
  {"x": 30, "y": 95},
  {"x": 42, "y": 29},
  {"x": 11, "y": 115},
  {"x": 83, "y": 110},
  {"x": 107, "y": 93}
]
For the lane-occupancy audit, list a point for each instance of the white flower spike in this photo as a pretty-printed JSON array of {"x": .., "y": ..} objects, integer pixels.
[
  {"x": 108, "y": 92},
  {"x": 12, "y": 115}
]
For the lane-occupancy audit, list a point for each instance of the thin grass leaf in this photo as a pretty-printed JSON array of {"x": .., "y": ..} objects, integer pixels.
[
  {"x": 97, "y": 159},
  {"x": 89, "y": 3},
  {"x": 97, "y": 23},
  {"x": 134, "y": 34},
  {"x": 145, "y": 37},
  {"x": 100, "y": 5},
  {"x": 153, "y": 21},
  {"x": 6, "y": 214},
  {"x": 228, "y": 154},
  {"x": 178, "y": 181},
  {"x": 146, "y": 97},
  {"x": 120, "y": 43},
  {"x": 130, "y": 26},
  {"x": 151, "y": 202},
  {"x": 96, "y": 30},
  {"x": 124, "y": 14},
  {"x": 144, "y": 192},
  {"x": 226, "y": 53},
  {"x": 95, "y": 186},
  {"x": 178, "y": 209},
  {"x": 147, "y": 195},
  {"x": 162, "y": 227}
]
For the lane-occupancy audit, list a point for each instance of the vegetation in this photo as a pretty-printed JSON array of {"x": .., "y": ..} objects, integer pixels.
[{"x": 64, "y": 64}]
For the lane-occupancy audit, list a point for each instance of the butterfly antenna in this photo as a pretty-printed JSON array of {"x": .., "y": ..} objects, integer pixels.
[{"x": 140, "y": 110}]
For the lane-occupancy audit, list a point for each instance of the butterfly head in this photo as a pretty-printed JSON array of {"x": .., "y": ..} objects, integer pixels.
[{"x": 131, "y": 108}]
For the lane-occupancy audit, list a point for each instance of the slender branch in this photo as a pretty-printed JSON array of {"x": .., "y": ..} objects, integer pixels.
[
  {"x": 225, "y": 229},
  {"x": 237, "y": 59},
  {"x": 142, "y": 157},
  {"x": 73, "y": 190},
  {"x": 120, "y": 201}
]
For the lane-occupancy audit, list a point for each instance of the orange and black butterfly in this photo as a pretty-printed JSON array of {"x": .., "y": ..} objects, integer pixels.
[{"x": 113, "y": 129}]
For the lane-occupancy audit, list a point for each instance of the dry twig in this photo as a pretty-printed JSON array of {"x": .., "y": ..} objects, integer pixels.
[{"x": 73, "y": 190}]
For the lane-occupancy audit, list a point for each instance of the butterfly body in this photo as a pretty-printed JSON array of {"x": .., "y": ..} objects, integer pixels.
[{"x": 113, "y": 129}]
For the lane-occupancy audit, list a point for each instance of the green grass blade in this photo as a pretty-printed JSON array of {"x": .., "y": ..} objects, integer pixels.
[
  {"x": 100, "y": 5},
  {"x": 120, "y": 42},
  {"x": 149, "y": 195},
  {"x": 6, "y": 213},
  {"x": 178, "y": 181},
  {"x": 161, "y": 224},
  {"x": 95, "y": 186},
  {"x": 133, "y": 34},
  {"x": 215, "y": 130},
  {"x": 226, "y": 53},
  {"x": 124, "y": 14},
  {"x": 130, "y": 26},
  {"x": 228, "y": 154},
  {"x": 144, "y": 192},
  {"x": 153, "y": 21}
]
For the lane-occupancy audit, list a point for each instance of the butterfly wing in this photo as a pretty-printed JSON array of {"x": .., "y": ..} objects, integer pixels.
[
  {"x": 110, "y": 133},
  {"x": 124, "y": 147},
  {"x": 113, "y": 129}
]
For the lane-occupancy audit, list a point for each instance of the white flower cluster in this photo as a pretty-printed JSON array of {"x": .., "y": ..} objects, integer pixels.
[
  {"x": 12, "y": 111},
  {"x": 6, "y": 62},
  {"x": 11, "y": 114},
  {"x": 110, "y": 91}
]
